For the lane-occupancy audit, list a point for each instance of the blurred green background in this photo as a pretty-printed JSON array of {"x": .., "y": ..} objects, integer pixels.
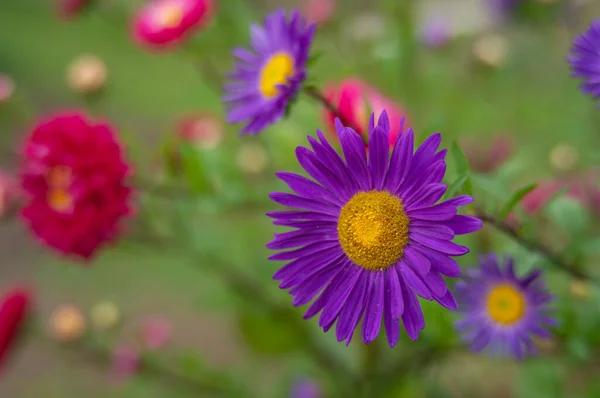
[{"x": 528, "y": 97}]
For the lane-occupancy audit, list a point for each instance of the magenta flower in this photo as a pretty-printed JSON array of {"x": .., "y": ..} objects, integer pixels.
[{"x": 164, "y": 23}]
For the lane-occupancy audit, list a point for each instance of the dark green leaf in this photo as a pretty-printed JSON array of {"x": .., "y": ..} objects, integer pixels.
[
  {"x": 462, "y": 164},
  {"x": 193, "y": 168},
  {"x": 514, "y": 199},
  {"x": 314, "y": 58}
]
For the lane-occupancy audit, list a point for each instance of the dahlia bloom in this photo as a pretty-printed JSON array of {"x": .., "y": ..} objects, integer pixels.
[
  {"x": 368, "y": 235},
  {"x": 355, "y": 100},
  {"x": 268, "y": 77},
  {"x": 164, "y": 23},
  {"x": 503, "y": 312},
  {"x": 73, "y": 176},
  {"x": 584, "y": 60},
  {"x": 14, "y": 306},
  {"x": 305, "y": 388}
]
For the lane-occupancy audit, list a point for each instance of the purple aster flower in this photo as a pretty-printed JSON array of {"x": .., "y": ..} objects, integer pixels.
[
  {"x": 270, "y": 75},
  {"x": 501, "y": 310},
  {"x": 435, "y": 32},
  {"x": 585, "y": 59},
  {"x": 368, "y": 232},
  {"x": 305, "y": 388}
]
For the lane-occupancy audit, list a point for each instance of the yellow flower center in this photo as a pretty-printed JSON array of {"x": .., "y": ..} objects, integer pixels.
[
  {"x": 276, "y": 71},
  {"x": 373, "y": 229},
  {"x": 59, "y": 181},
  {"x": 505, "y": 305},
  {"x": 170, "y": 15}
]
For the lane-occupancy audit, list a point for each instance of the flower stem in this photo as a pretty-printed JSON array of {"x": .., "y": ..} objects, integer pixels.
[
  {"x": 534, "y": 246},
  {"x": 316, "y": 95}
]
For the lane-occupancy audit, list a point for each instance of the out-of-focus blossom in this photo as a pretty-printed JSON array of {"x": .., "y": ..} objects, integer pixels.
[
  {"x": 202, "y": 130},
  {"x": 487, "y": 159},
  {"x": 355, "y": 100},
  {"x": 503, "y": 10},
  {"x": 319, "y": 11},
  {"x": 73, "y": 176},
  {"x": 252, "y": 158},
  {"x": 584, "y": 59},
  {"x": 125, "y": 363},
  {"x": 67, "y": 323},
  {"x": 502, "y": 311},
  {"x": 564, "y": 157},
  {"x": 105, "y": 315},
  {"x": 70, "y": 8},
  {"x": 580, "y": 289},
  {"x": 14, "y": 306},
  {"x": 163, "y": 23},
  {"x": 7, "y": 88},
  {"x": 268, "y": 74},
  {"x": 156, "y": 331},
  {"x": 305, "y": 388},
  {"x": 581, "y": 188},
  {"x": 435, "y": 31},
  {"x": 87, "y": 74},
  {"x": 491, "y": 50},
  {"x": 9, "y": 193}
]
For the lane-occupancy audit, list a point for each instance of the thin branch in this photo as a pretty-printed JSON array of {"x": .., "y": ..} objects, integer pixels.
[
  {"x": 531, "y": 245},
  {"x": 315, "y": 94}
]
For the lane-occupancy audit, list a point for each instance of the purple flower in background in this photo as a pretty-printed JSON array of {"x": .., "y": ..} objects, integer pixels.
[
  {"x": 585, "y": 59},
  {"x": 267, "y": 78},
  {"x": 125, "y": 363},
  {"x": 503, "y": 312},
  {"x": 504, "y": 9},
  {"x": 368, "y": 233},
  {"x": 435, "y": 32},
  {"x": 305, "y": 388}
]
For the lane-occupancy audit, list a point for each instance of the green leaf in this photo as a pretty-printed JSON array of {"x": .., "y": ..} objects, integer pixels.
[
  {"x": 568, "y": 214},
  {"x": 514, "y": 199},
  {"x": 314, "y": 58},
  {"x": 462, "y": 163},
  {"x": 193, "y": 168},
  {"x": 456, "y": 185},
  {"x": 190, "y": 365},
  {"x": 266, "y": 335},
  {"x": 462, "y": 166}
]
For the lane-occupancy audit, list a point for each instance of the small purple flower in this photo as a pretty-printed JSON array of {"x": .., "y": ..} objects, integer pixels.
[
  {"x": 267, "y": 78},
  {"x": 585, "y": 59},
  {"x": 503, "y": 312},
  {"x": 305, "y": 388},
  {"x": 504, "y": 9},
  {"x": 435, "y": 32},
  {"x": 368, "y": 235}
]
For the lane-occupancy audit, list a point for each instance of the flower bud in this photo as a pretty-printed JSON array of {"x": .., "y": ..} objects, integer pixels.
[
  {"x": 87, "y": 74},
  {"x": 491, "y": 50},
  {"x": 105, "y": 315},
  {"x": 252, "y": 158},
  {"x": 564, "y": 157},
  {"x": 67, "y": 323}
]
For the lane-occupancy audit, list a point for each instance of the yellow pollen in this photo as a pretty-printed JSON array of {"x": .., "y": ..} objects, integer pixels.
[
  {"x": 276, "y": 71},
  {"x": 60, "y": 200},
  {"x": 373, "y": 229},
  {"x": 505, "y": 305},
  {"x": 170, "y": 16}
]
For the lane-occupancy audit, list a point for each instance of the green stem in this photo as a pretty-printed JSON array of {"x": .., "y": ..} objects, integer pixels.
[{"x": 405, "y": 13}]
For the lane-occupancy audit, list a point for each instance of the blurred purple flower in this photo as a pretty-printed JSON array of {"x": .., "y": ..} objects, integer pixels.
[
  {"x": 125, "y": 363},
  {"x": 435, "y": 31},
  {"x": 503, "y": 9},
  {"x": 305, "y": 388},
  {"x": 585, "y": 58}
]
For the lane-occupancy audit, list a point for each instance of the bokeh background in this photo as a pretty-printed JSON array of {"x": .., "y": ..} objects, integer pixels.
[{"x": 522, "y": 92}]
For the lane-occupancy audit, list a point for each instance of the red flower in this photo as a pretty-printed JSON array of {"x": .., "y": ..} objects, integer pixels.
[
  {"x": 74, "y": 179},
  {"x": 162, "y": 23},
  {"x": 70, "y": 8},
  {"x": 14, "y": 306},
  {"x": 355, "y": 100},
  {"x": 581, "y": 188},
  {"x": 319, "y": 11}
]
